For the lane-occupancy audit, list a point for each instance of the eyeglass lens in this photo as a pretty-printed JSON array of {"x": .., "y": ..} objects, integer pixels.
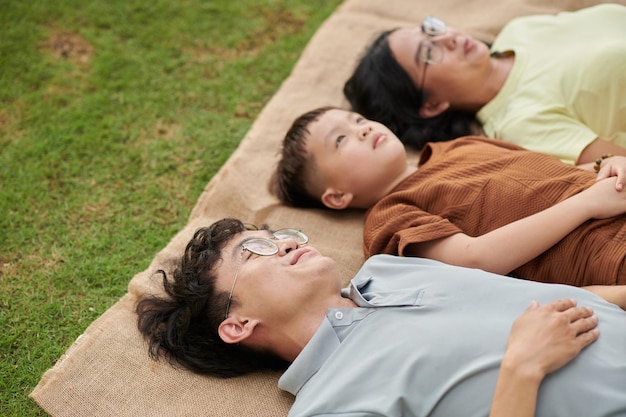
[
  {"x": 430, "y": 52},
  {"x": 261, "y": 246},
  {"x": 265, "y": 247},
  {"x": 294, "y": 234},
  {"x": 432, "y": 26}
]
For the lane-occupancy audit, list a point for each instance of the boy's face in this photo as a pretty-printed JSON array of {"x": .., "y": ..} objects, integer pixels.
[{"x": 356, "y": 157}]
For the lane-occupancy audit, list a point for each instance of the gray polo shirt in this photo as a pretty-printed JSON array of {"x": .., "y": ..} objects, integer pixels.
[{"x": 427, "y": 340}]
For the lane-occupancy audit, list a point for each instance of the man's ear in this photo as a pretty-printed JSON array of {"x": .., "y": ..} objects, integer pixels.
[
  {"x": 336, "y": 199},
  {"x": 432, "y": 108},
  {"x": 233, "y": 330}
]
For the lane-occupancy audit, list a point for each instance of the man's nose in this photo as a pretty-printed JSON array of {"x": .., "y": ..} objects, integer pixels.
[{"x": 287, "y": 245}]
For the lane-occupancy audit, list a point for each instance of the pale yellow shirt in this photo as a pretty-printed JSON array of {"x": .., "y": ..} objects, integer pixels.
[{"x": 568, "y": 83}]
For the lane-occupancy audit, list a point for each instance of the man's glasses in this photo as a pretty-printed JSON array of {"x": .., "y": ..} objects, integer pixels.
[
  {"x": 428, "y": 51},
  {"x": 265, "y": 247}
]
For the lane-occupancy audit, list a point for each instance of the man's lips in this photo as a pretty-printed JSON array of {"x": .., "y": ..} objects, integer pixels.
[
  {"x": 378, "y": 138},
  {"x": 299, "y": 253}
]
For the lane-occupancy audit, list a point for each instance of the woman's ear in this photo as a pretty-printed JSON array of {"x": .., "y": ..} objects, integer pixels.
[
  {"x": 232, "y": 330},
  {"x": 336, "y": 199},
  {"x": 431, "y": 109}
]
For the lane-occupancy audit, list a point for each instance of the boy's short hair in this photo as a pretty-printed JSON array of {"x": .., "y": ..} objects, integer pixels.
[{"x": 296, "y": 181}]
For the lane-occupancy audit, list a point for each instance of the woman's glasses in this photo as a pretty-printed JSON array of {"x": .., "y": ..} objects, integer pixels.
[{"x": 428, "y": 51}]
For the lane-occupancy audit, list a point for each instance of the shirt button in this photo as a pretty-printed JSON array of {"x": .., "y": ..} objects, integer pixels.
[{"x": 338, "y": 315}]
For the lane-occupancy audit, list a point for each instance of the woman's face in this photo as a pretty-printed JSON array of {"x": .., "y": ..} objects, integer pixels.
[{"x": 464, "y": 65}]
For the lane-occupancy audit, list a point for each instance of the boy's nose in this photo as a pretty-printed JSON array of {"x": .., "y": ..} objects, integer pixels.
[{"x": 365, "y": 131}]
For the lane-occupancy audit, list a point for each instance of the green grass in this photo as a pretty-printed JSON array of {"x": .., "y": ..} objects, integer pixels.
[{"x": 113, "y": 117}]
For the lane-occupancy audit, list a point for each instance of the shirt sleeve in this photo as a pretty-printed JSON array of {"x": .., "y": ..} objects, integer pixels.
[{"x": 390, "y": 229}]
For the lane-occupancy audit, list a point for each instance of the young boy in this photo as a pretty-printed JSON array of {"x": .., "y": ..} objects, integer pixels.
[{"x": 471, "y": 202}]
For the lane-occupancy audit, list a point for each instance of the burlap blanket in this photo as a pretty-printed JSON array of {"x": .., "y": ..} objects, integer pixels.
[{"x": 107, "y": 372}]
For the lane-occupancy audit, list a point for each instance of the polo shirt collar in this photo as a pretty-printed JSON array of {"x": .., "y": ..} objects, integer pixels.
[{"x": 311, "y": 359}]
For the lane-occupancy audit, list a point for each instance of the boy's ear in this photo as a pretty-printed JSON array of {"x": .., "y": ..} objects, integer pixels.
[
  {"x": 336, "y": 199},
  {"x": 432, "y": 108},
  {"x": 233, "y": 330}
]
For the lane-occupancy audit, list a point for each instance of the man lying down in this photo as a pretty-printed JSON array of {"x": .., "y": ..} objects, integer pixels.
[{"x": 407, "y": 337}]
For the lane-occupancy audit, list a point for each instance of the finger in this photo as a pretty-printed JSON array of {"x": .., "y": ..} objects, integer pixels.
[
  {"x": 621, "y": 178},
  {"x": 562, "y": 304},
  {"x": 534, "y": 304},
  {"x": 587, "y": 338},
  {"x": 578, "y": 313},
  {"x": 585, "y": 325}
]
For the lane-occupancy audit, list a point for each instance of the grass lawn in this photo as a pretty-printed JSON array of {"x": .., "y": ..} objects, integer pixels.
[{"x": 114, "y": 114}]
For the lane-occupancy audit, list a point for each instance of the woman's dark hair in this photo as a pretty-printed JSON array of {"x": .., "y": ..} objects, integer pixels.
[
  {"x": 183, "y": 326},
  {"x": 381, "y": 90}
]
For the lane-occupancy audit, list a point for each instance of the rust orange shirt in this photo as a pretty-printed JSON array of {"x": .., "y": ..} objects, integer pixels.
[{"x": 473, "y": 185}]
